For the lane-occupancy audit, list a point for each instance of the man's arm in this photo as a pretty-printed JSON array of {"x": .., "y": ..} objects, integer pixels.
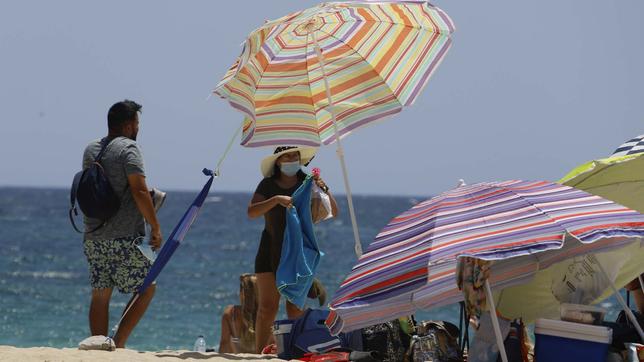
[{"x": 141, "y": 195}]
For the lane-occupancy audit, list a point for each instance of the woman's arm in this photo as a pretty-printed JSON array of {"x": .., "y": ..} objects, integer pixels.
[{"x": 259, "y": 205}]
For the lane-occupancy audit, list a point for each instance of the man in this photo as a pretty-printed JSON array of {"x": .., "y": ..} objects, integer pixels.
[{"x": 111, "y": 250}]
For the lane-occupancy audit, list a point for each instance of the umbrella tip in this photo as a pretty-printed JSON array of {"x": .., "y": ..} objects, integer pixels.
[{"x": 461, "y": 183}]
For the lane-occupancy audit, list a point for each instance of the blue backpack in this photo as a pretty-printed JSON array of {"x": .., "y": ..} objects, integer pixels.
[
  {"x": 309, "y": 334},
  {"x": 96, "y": 196}
]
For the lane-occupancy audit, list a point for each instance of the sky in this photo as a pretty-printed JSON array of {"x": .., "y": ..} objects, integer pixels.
[{"x": 529, "y": 90}]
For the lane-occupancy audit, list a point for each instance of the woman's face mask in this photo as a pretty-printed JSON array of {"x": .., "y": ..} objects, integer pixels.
[{"x": 290, "y": 168}]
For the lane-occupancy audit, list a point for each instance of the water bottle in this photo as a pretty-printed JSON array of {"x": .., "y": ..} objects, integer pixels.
[{"x": 200, "y": 345}]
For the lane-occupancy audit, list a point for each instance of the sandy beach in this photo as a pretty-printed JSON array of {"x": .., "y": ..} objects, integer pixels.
[{"x": 33, "y": 354}]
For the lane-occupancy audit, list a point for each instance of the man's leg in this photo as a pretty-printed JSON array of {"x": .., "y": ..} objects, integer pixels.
[
  {"x": 99, "y": 311},
  {"x": 133, "y": 316}
]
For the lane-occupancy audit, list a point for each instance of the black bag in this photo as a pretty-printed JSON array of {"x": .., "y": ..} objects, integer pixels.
[
  {"x": 95, "y": 195},
  {"x": 623, "y": 330},
  {"x": 388, "y": 339}
]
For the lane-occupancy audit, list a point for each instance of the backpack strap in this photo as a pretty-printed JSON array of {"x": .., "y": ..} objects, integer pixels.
[{"x": 104, "y": 143}]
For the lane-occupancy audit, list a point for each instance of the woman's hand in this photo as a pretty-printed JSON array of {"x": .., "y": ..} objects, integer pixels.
[
  {"x": 283, "y": 200},
  {"x": 321, "y": 184}
]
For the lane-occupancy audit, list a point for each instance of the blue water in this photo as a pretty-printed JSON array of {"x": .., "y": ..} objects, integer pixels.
[{"x": 44, "y": 287}]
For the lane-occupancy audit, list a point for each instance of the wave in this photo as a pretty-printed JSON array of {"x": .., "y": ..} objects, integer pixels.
[{"x": 45, "y": 275}]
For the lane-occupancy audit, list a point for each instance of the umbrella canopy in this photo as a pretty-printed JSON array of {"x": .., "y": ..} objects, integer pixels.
[
  {"x": 377, "y": 57},
  {"x": 619, "y": 178},
  {"x": 412, "y": 262}
]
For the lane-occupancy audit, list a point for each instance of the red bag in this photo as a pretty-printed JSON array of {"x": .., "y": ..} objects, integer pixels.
[{"x": 327, "y": 357}]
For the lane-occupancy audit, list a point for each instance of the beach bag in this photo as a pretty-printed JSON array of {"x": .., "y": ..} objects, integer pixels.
[
  {"x": 309, "y": 334},
  {"x": 623, "y": 330},
  {"x": 320, "y": 205},
  {"x": 387, "y": 339},
  {"x": 95, "y": 195},
  {"x": 517, "y": 345},
  {"x": 438, "y": 339},
  {"x": 343, "y": 355},
  {"x": 97, "y": 343}
]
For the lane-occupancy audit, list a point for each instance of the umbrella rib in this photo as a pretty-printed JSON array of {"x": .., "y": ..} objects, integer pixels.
[
  {"x": 380, "y": 21},
  {"x": 308, "y": 77}
]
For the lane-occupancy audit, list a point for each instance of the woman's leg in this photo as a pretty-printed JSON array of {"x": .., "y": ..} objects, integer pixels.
[
  {"x": 292, "y": 311},
  {"x": 269, "y": 299}
]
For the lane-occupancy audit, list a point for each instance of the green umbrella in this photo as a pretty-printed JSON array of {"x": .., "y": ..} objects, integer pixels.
[{"x": 619, "y": 178}]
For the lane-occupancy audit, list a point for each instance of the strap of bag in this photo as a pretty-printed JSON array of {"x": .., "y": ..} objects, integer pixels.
[
  {"x": 464, "y": 321},
  {"x": 73, "y": 212},
  {"x": 104, "y": 143}
]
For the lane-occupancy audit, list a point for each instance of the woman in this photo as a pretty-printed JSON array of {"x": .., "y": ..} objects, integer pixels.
[
  {"x": 238, "y": 321},
  {"x": 282, "y": 176}
]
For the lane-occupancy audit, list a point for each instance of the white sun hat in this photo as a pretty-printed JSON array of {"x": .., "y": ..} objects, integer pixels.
[{"x": 306, "y": 155}]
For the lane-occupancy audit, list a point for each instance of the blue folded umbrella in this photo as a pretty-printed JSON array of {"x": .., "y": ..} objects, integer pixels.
[{"x": 177, "y": 235}]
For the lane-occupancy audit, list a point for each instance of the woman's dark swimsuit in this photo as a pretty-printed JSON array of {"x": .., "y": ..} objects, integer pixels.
[{"x": 270, "y": 246}]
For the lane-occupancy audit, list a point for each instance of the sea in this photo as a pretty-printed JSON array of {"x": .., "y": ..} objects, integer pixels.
[{"x": 44, "y": 282}]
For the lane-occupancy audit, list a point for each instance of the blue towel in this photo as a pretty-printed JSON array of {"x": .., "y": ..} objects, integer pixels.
[{"x": 300, "y": 253}]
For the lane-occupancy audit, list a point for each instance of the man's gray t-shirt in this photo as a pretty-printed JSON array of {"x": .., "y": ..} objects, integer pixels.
[{"x": 121, "y": 158}]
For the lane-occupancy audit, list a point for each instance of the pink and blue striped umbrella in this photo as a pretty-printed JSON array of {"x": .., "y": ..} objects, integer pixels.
[{"x": 412, "y": 262}]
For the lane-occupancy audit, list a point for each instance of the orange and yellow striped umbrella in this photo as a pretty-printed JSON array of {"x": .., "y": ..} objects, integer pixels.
[{"x": 349, "y": 62}]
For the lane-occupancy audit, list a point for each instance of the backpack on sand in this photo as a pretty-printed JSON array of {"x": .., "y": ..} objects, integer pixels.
[{"x": 94, "y": 193}]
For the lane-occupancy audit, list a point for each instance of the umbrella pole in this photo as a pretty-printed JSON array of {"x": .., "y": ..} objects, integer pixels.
[
  {"x": 129, "y": 306},
  {"x": 627, "y": 310},
  {"x": 340, "y": 151},
  {"x": 495, "y": 322}
]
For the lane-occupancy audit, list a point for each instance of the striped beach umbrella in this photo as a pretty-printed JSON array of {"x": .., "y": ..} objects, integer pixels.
[
  {"x": 631, "y": 147},
  {"x": 525, "y": 227},
  {"x": 376, "y": 55},
  {"x": 316, "y": 75}
]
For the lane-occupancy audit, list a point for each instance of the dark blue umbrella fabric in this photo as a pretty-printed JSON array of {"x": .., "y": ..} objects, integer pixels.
[{"x": 177, "y": 235}]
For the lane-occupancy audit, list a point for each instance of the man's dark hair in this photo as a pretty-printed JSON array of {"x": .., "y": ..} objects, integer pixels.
[{"x": 121, "y": 113}]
